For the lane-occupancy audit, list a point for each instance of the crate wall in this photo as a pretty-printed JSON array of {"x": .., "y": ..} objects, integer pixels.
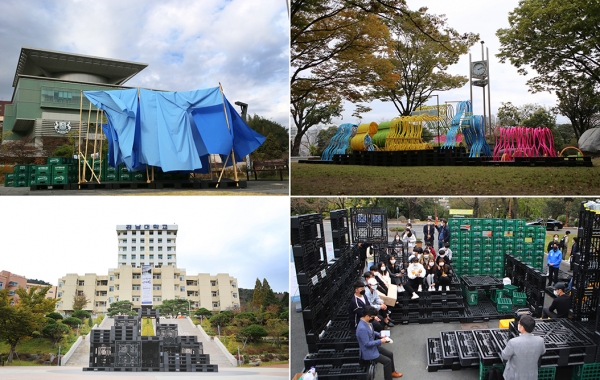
[{"x": 369, "y": 225}]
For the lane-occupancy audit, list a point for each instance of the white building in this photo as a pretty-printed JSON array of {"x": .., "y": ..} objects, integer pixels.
[{"x": 147, "y": 244}]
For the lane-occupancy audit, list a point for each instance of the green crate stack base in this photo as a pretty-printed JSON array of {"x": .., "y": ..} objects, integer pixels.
[
  {"x": 9, "y": 182},
  {"x": 589, "y": 371},
  {"x": 43, "y": 170},
  {"x": 471, "y": 296},
  {"x": 519, "y": 298},
  {"x": 483, "y": 369},
  {"x": 43, "y": 179},
  {"x": 510, "y": 289},
  {"x": 546, "y": 373}
]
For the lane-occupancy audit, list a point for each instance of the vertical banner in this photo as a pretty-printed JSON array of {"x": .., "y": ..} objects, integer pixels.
[{"x": 146, "y": 284}]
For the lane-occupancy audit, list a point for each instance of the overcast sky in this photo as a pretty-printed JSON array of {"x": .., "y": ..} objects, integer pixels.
[
  {"x": 485, "y": 18},
  {"x": 48, "y": 237},
  {"x": 187, "y": 44}
]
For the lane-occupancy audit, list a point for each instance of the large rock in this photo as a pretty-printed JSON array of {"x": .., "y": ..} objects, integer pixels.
[{"x": 590, "y": 141}]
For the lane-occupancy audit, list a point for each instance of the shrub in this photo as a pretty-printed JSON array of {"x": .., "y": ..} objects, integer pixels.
[
  {"x": 81, "y": 314},
  {"x": 54, "y": 315},
  {"x": 72, "y": 321}
]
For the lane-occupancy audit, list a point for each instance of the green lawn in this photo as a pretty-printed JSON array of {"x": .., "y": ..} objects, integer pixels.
[
  {"x": 39, "y": 345},
  {"x": 313, "y": 179}
]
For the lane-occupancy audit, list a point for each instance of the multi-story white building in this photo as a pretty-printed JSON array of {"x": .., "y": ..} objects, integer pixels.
[{"x": 148, "y": 244}]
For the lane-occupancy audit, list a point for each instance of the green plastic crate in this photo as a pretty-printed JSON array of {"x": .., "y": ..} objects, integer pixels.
[
  {"x": 504, "y": 305},
  {"x": 63, "y": 169},
  {"x": 472, "y": 296},
  {"x": 10, "y": 176},
  {"x": 60, "y": 179},
  {"x": 9, "y": 182},
  {"x": 22, "y": 169},
  {"x": 547, "y": 373},
  {"x": 483, "y": 369},
  {"x": 56, "y": 160},
  {"x": 124, "y": 176},
  {"x": 510, "y": 289},
  {"x": 43, "y": 179},
  {"x": 519, "y": 298},
  {"x": 589, "y": 371}
]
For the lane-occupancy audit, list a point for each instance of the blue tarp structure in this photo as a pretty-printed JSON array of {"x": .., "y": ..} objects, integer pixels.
[{"x": 175, "y": 131}]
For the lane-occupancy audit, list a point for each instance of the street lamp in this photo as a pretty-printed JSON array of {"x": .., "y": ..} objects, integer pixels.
[
  {"x": 438, "y": 117},
  {"x": 189, "y": 312}
]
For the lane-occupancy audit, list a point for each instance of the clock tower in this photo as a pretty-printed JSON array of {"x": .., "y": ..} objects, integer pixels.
[{"x": 479, "y": 75}]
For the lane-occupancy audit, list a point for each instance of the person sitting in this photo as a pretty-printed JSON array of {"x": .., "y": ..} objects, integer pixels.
[
  {"x": 394, "y": 270},
  {"x": 357, "y": 305},
  {"x": 448, "y": 251},
  {"x": 377, "y": 303},
  {"x": 416, "y": 273},
  {"x": 382, "y": 286},
  {"x": 370, "y": 344},
  {"x": 383, "y": 273},
  {"x": 398, "y": 274},
  {"x": 559, "y": 308},
  {"x": 443, "y": 272},
  {"x": 430, "y": 269},
  {"x": 443, "y": 256}
]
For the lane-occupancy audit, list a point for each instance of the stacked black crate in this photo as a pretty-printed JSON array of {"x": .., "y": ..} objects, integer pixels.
[
  {"x": 101, "y": 350},
  {"x": 369, "y": 225},
  {"x": 340, "y": 231},
  {"x": 528, "y": 280}
]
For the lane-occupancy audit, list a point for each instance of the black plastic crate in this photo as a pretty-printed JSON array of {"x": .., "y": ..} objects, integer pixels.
[
  {"x": 369, "y": 225},
  {"x": 468, "y": 352},
  {"x": 488, "y": 350},
  {"x": 482, "y": 282},
  {"x": 449, "y": 346},
  {"x": 435, "y": 359},
  {"x": 332, "y": 357},
  {"x": 343, "y": 372}
]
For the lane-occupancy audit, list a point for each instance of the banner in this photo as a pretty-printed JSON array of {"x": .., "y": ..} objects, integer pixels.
[{"x": 146, "y": 284}]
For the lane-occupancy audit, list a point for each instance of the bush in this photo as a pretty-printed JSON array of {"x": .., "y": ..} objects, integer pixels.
[
  {"x": 253, "y": 332},
  {"x": 72, "y": 321},
  {"x": 81, "y": 314},
  {"x": 54, "y": 315},
  {"x": 99, "y": 319}
]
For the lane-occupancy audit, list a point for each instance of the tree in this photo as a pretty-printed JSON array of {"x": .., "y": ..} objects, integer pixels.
[
  {"x": 269, "y": 150},
  {"x": 580, "y": 103},
  {"x": 80, "y": 301},
  {"x": 265, "y": 127},
  {"x": 221, "y": 319},
  {"x": 18, "y": 147},
  {"x": 173, "y": 307},
  {"x": 121, "y": 308},
  {"x": 203, "y": 312},
  {"x": 54, "y": 315},
  {"x": 324, "y": 138},
  {"x": 527, "y": 115},
  {"x": 18, "y": 322},
  {"x": 245, "y": 319},
  {"x": 285, "y": 300},
  {"x": 72, "y": 322},
  {"x": 276, "y": 329},
  {"x": 558, "y": 40},
  {"x": 251, "y": 333},
  {"x": 310, "y": 112},
  {"x": 55, "y": 332},
  {"x": 420, "y": 64},
  {"x": 258, "y": 296}
]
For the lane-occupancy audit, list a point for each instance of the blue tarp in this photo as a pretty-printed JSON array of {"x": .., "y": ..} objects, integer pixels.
[{"x": 175, "y": 131}]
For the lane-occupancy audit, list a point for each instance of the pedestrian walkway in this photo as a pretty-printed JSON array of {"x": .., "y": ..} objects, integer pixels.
[
  {"x": 185, "y": 327},
  {"x": 81, "y": 356}
]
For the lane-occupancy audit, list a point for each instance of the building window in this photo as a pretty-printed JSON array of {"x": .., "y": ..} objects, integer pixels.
[
  {"x": 233, "y": 284},
  {"x": 81, "y": 283},
  {"x": 169, "y": 240},
  {"x": 151, "y": 240},
  {"x": 142, "y": 241},
  {"x": 142, "y": 257},
  {"x": 133, "y": 240},
  {"x": 152, "y": 249},
  {"x": 234, "y": 295},
  {"x": 156, "y": 287},
  {"x": 157, "y": 299},
  {"x": 1, "y": 284},
  {"x": 214, "y": 294},
  {"x": 111, "y": 300},
  {"x": 169, "y": 248},
  {"x": 111, "y": 288},
  {"x": 156, "y": 276},
  {"x": 160, "y": 248},
  {"x": 59, "y": 294},
  {"x": 111, "y": 278},
  {"x": 169, "y": 257},
  {"x": 133, "y": 256},
  {"x": 181, "y": 278},
  {"x": 123, "y": 249},
  {"x": 160, "y": 256},
  {"x": 168, "y": 232},
  {"x": 159, "y": 240},
  {"x": 133, "y": 249},
  {"x": 117, "y": 287},
  {"x": 124, "y": 257},
  {"x": 60, "y": 284},
  {"x": 134, "y": 299},
  {"x": 213, "y": 283},
  {"x": 135, "y": 287},
  {"x": 182, "y": 288},
  {"x": 175, "y": 287},
  {"x": 133, "y": 232},
  {"x": 136, "y": 276},
  {"x": 151, "y": 256},
  {"x": 160, "y": 232},
  {"x": 151, "y": 233},
  {"x": 215, "y": 304}
]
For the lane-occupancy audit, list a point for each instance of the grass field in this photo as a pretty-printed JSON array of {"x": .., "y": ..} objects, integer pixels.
[{"x": 311, "y": 179}]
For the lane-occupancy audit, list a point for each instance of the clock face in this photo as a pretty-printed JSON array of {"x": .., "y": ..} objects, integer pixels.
[{"x": 479, "y": 68}]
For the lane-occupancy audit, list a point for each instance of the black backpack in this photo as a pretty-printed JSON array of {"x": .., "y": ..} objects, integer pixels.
[{"x": 493, "y": 373}]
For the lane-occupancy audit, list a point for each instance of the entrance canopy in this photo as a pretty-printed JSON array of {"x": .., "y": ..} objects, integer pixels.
[{"x": 175, "y": 131}]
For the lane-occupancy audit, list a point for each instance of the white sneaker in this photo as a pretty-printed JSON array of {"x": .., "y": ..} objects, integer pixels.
[
  {"x": 420, "y": 289},
  {"x": 415, "y": 296},
  {"x": 447, "y": 288},
  {"x": 400, "y": 289},
  {"x": 431, "y": 288}
]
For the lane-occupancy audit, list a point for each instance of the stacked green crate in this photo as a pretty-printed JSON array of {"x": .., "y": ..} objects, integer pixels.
[
  {"x": 460, "y": 248},
  {"x": 43, "y": 175},
  {"x": 63, "y": 173},
  {"x": 112, "y": 174},
  {"x": 22, "y": 176},
  {"x": 9, "y": 180}
]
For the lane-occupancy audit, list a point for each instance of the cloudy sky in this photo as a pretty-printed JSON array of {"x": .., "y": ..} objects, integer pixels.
[
  {"x": 247, "y": 237},
  {"x": 186, "y": 44},
  {"x": 485, "y": 18}
]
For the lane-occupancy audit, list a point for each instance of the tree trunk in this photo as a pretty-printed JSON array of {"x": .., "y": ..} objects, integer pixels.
[
  {"x": 296, "y": 143},
  {"x": 13, "y": 348}
]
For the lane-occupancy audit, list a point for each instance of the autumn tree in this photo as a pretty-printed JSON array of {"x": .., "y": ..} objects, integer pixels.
[
  {"x": 80, "y": 301},
  {"x": 580, "y": 103},
  {"x": 258, "y": 296},
  {"x": 420, "y": 63},
  {"x": 276, "y": 328},
  {"x": 19, "y": 321}
]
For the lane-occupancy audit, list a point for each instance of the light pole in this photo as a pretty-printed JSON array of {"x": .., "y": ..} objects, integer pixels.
[
  {"x": 438, "y": 117},
  {"x": 189, "y": 312}
]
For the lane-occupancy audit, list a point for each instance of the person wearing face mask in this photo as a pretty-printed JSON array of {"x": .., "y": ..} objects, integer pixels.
[
  {"x": 443, "y": 255},
  {"x": 429, "y": 232},
  {"x": 382, "y": 285},
  {"x": 357, "y": 306},
  {"x": 554, "y": 260},
  {"x": 409, "y": 238},
  {"x": 443, "y": 271},
  {"x": 522, "y": 354},
  {"x": 362, "y": 252},
  {"x": 443, "y": 233},
  {"x": 559, "y": 308},
  {"x": 416, "y": 274},
  {"x": 448, "y": 251},
  {"x": 398, "y": 276},
  {"x": 394, "y": 271},
  {"x": 574, "y": 251},
  {"x": 370, "y": 344},
  {"x": 376, "y": 302},
  {"x": 383, "y": 273},
  {"x": 430, "y": 269},
  {"x": 551, "y": 243}
]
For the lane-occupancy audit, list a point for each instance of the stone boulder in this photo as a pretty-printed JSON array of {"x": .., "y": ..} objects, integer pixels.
[{"x": 589, "y": 141}]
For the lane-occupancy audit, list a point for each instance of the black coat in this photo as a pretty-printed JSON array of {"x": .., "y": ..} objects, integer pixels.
[{"x": 356, "y": 308}]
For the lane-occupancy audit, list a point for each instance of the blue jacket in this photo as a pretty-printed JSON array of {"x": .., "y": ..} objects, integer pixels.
[
  {"x": 368, "y": 341},
  {"x": 444, "y": 233},
  {"x": 555, "y": 257}
]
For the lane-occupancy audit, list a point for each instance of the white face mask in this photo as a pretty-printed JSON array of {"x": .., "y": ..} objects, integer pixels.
[
  {"x": 442, "y": 264},
  {"x": 383, "y": 267},
  {"x": 556, "y": 293},
  {"x": 431, "y": 263},
  {"x": 429, "y": 222},
  {"x": 392, "y": 262},
  {"x": 397, "y": 237},
  {"x": 555, "y": 238}
]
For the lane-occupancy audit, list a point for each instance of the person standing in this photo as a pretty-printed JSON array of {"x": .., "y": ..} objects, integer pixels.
[
  {"x": 560, "y": 305},
  {"x": 574, "y": 250},
  {"x": 370, "y": 344},
  {"x": 563, "y": 244},
  {"x": 409, "y": 238},
  {"x": 443, "y": 233},
  {"x": 554, "y": 260},
  {"x": 522, "y": 354},
  {"x": 428, "y": 232},
  {"x": 362, "y": 253}
]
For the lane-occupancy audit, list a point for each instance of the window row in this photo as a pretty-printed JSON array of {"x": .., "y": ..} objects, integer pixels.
[{"x": 151, "y": 249}]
